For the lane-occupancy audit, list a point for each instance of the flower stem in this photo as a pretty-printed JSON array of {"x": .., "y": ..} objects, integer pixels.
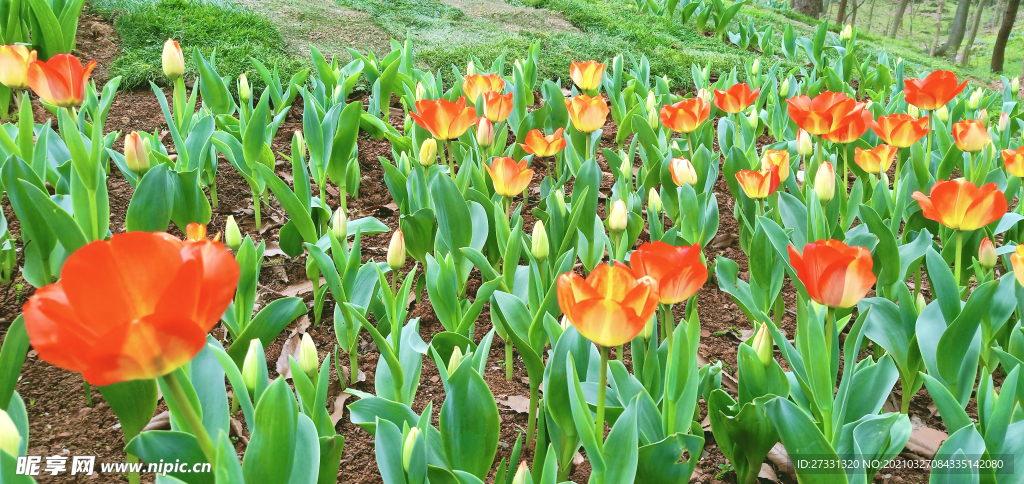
[
  {"x": 192, "y": 420},
  {"x": 508, "y": 359},
  {"x": 689, "y": 144},
  {"x": 256, "y": 206},
  {"x": 353, "y": 363},
  {"x": 830, "y": 322},
  {"x": 531, "y": 422},
  {"x": 88, "y": 393},
  {"x": 959, "y": 254},
  {"x": 602, "y": 386}
]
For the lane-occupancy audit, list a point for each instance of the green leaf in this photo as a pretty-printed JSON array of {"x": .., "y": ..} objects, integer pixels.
[
  {"x": 134, "y": 403},
  {"x": 152, "y": 203},
  {"x": 269, "y": 455},
  {"x": 12, "y": 357},
  {"x": 469, "y": 422},
  {"x": 266, "y": 326},
  {"x": 802, "y": 438},
  {"x": 296, "y": 211},
  {"x": 171, "y": 446}
]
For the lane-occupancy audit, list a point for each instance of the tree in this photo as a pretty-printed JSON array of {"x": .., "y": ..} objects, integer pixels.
[
  {"x": 841, "y": 16},
  {"x": 956, "y": 30},
  {"x": 811, "y": 8},
  {"x": 898, "y": 19},
  {"x": 938, "y": 27},
  {"x": 965, "y": 58},
  {"x": 999, "y": 49}
]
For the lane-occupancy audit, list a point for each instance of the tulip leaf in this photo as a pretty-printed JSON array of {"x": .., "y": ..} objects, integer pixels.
[
  {"x": 291, "y": 203},
  {"x": 388, "y": 441},
  {"x": 344, "y": 142},
  {"x": 331, "y": 449},
  {"x": 48, "y": 30},
  {"x": 887, "y": 254},
  {"x": 943, "y": 284},
  {"x": 583, "y": 419},
  {"x": 266, "y": 326},
  {"x": 190, "y": 202},
  {"x": 660, "y": 462},
  {"x": 228, "y": 469},
  {"x": 306, "y": 453},
  {"x": 207, "y": 377},
  {"x": 960, "y": 453},
  {"x": 469, "y": 422},
  {"x": 802, "y": 438},
  {"x": 64, "y": 227},
  {"x": 269, "y": 456},
  {"x": 237, "y": 383},
  {"x": 133, "y": 402},
  {"x": 152, "y": 203},
  {"x": 620, "y": 449},
  {"x": 171, "y": 446},
  {"x": 12, "y": 357}
]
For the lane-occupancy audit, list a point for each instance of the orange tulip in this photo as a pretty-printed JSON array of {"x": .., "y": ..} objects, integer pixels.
[
  {"x": 1014, "y": 161},
  {"x": 587, "y": 75},
  {"x": 853, "y": 131},
  {"x": 497, "y": 107},
  {"x": 135, "y": 307},
  {"x": 61, "y": 80},
  {"x": 835, "y": 274},
  {"x": 934, "y": 91},
  {"x": 779, "y": 158},
  {"x": 685, "y": 116},
  {"x": 682, "y": 172},
  {"x": 14, "y": 62},
  {"x": 960, "y": 205},
  {"x": 987, "y": 256},
  {"x": 611, "y": 306},
  {"x": 510, "y": 178},
  {"x": 678, "y": 270},
  {"x": 539, "y": 145},
  {"x": 900, "y": 130},
  {"x": 444, "y": 119},
  {"x": 970, "y": 135},
  {"x": 827, "y": 112},
  {"x": 588, "y": 114},
  {"x": 476, "y": 85},
  {"x": 1017, "y": 261},
  {"x": 759, "y": 184},
  {"x": 736, "y": 98},
  {"x": 876, "y": 160}
]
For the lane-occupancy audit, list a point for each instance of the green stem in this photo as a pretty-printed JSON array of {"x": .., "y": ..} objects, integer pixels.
[
  {"x": 602, "y": 382},
  {"x": 133, "y": 477},
  {"x": 830, "y": 323},
  {"x": 192, "y": 420},
  {"x": 88, "y": 393},
  {"x": 587, "y": 155},
  {"x": 213, "y": 193},
  {"x": 569, "y": 445},
  {"x": 508, "y": 359},
  {"x": 353, "y": 363},
  {"x": 94, "y": 212},
  {"x": 396, "y": 325},
  {"x": 905, "y": 399},
  {"x": 809, "y": 177},
  {"x": 531, "y": 422},
  {"x": 959, "y": 254},
  {"x": 689, "y": 144},
  {"x": 450, "y": 158},
  {"x": 257, "y": 208},
  {"x": 931, "y": 128},
  {"x": 618, "y": 352}
]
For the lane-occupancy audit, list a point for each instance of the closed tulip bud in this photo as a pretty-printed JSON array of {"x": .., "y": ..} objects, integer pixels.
[
  {"x": 250, "y": 367},
  {"x": 484, "y": 132},
  {"x": 987, "y": 254},
  {"x": 539, "y": 242},
  {"x": 755, "y": 66},
  {"x": 825, "y": 182},
  {"x": 920, "y": 302},
  {"x": 564, "y": 323},
  {"x": 409, "y": 445},
  {"x": 455, "y": 360},
  {"x": 753, "y": 119},
  {"x": 983, "y": 117},
  {"x": 1004, "y": 121},
  {"x": 705, "y": 94},
  {"x": 560, "y": 202},
  {"x": 784, "y": 88},
  {"x": 421, "y": 91},
  {"x": 618, "y": 218},
  {"x": 913, "y": 111},
  {"x": 653, "y": 201},
  {"x": 653, "y": 118},
  {"x": 173, "y": 60},
  {"x": 428, "y": 152},
  {"x": 627, "y": 167},
  {"x": 470, "y": 68},
  {"x": 300, "y": 142},
  {"x": 1015, "y": 85},
  {"x": 232, "y": 236},
  {"x": 847, "y": 33},
  {"x": 763, "y": 344},
  {"x": 308, "y": 359},
  {"x": 339, "y": 224},
  {"x": 803, "y": 143},
  {"x": 10, "y": 439},
  {"x": 136, "y": 153},
  {"x": 404, "y": 165},
  {"x": 683, "y": 172},
  {"x": 244, "y": 89},
  {"x": 396, "y": 251},
  {"x": 648, "y": 330},
  {"x": 520, "y": 477},
  {"x": 652, "y": 100},
  {"x": 975, "y": 100},
  {"x": 942, "y": 113}
]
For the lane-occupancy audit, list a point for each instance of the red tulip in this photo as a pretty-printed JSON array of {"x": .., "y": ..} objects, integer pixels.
[
  {"x": 61, "y": 80},
  {"x": 678, "y": 270},
  {"x": 934, "y": 91},
  {"x": 961, "y": 205},
  {"x": 539, "y": 145},
  {"x": 444, "y": 119},
  {"x": 827, "y": 112},
  {"x": 835, "y": 274},
  {"x": 736, "y": 98},
  {"x": 876, "y": 160},
  {"x": 685, "y": 116},
  {"x": 900, "y": 130},
  {"x": 611, "y": 306}
]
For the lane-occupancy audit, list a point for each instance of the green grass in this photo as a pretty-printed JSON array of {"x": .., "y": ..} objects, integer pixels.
[{"x": 235, "y": 32}]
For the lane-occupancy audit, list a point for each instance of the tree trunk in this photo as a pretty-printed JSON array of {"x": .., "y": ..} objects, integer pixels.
[
  {"x": 841, "y": 16},
  {"x": 991, "y": 22},
  {"x": 910, "y": 29},
  {"x": 871, "y": 15},
  {"x": 938, "y": 28},
  {"x": 966, "y": 56},
  {"x": 812, "y": 8},
  {"x": 897, "y": 20},
  {"x": 853, "y": 13},
  {"x": 999, "y": 49},
  {"x": 956, "y": 30}
]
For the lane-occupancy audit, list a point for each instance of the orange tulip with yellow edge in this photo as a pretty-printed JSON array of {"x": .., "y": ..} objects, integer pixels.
[
  {"x": 682, "y": 171},
  {"x": 779, "y": 158},
  {"x": 853, "y": 131},
  {"x": 588, "y": 114},
  {"x": 678, "y": 270},
  {"x": 1014, "y": 161},
  {"x": 825, "y": 113},
  {"x": 1017, "y": 262},
  {"x": 14, "y": 62},
  {"x": 900, "y": 130},
  {"x": 510, "y": 178},
  {"x": 961, "y": 205},
  {"x": 444, "y": 119},
  {"x": 538, "y": 144},
  {"x": 685, "y": 116},
  {"x": 934, "y": 91},
  {"x": 876, "y": 160},
  {"x": 587, "y": 75},
  {"x": 835, "y": 275},
  {"x": 497, "y": 107},
  {"x": 476, "y": 85},
  {"x": 60, "y": 81},
  {"x": 759, "y": 184},
  {"x": 970, "y": 135},
  {"x": 736, "y": 98},
  {"x": 611, "y": 306}
]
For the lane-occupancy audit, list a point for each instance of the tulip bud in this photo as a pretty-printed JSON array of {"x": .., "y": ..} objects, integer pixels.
[
  {"x": 560, "y": 202},
  {"x": 651, "y": 100},
  {"x": 763, "y": 344},
  {"x": 653, "y": 118},
  {"x": 1015, "y": 85},
  {"x": 520, "y": 477},
  {"x": 455, "y": 360},
  {"x": 987, "y": 254},
  {"x": 847, "y": 33},
  {"x": 308, "y": 359},
  {"x": 825, "y": 182},
  {"x": 617, "y": 220},
  {"x": 244, "y": 90},
  {"x": 421, "y": 91},
  {"x": 753, "y": 119},
  {"x": 942, "y": 113},
  {"x": 755, "y": 66},
  {"x": 682, "y": 172},
  {"x": 10, "y": 439},
  {"x": 803, "y": 143},
  {"x": 339, "y": 224},
  {"x": 136, "y": 153},
  {"x": 396, "y": 251},
  {"x": 484, "y": 132},
  {"x": 983, "y": 117},
  {"x": 913, "y": 111},
  {"x": 470, "y": 68},
  {"x": 539, "y": 242},
  {"x": 232, "y": 236},
  {"x": 173, "y": 60},
  {"x": 975, "y": 100},
  {"x": 409, "y": 445},
  {"x": 428, "y": 152},
  {"x": 627, "y": 167},
  {"x": 404, "y": 165},
  {"x": 1004, "y": 121},
  {"x": 564, "y": 323},
  {"x": 920, "y": 302},
  {"x": 648, "y": 329},
  {"x": 250, "y": 366},
  {"x": 705, "y": 94},
  {"x": 339, "y": 94},
  {"x": 653, "y": 201},
  {"x": 784, "y": 88}
]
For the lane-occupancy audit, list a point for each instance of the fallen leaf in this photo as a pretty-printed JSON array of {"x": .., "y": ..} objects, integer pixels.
[
  {"x": 516, "y": 403},
  {"x": 273, "y": 249},
  {"x": 236, "y": 428},
  {"x": 724, "y": 239},
  {"x": 161, "y": 421},
  {"x": 291, "y": 348},
  {"x": 301, "y": 288},
  {"x": 925, "y": 442},
  {"x": 767, "y": 473},
  {"x": 339, "y": 407},
  {"x": 780, "y": 458}
]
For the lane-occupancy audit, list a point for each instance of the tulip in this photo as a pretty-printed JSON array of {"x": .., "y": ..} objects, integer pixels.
[
  {"x": 682, "y": 172},
  {"x": 970, "y": 136},
  {"x": 876, "y": 160},
  {"x": 444, "y": 119},
  {"x": 763, "y": 344},
  {"x": 173, "y": 60},
  {"x": 136, "y": 153},
  {"x": 900, "y": 130},
  {"x": 521, "y": 473},
  {"x": 942, "y": 113},
  {"x": 626, "y": 168},
  {"x": 803, "y": 143},
  {"x": 1014, "y": 161},
  {"x": 10, "y": 438},
  {"x": 1004, "y": 121},
  {"x": 308, "y": 359},
  {"x": 476, "y": 85},
  {"x": 678, "y": 271},
  {"x": 853, "y": 131},
  {"x": 421, "y": 92},
  {"x": 913, "y": 111},
  {"x": 61, "y": 80},
  {"x": 784, "y": 88},
  {"x": 1015, "y": 85},
  {"x": 409, "y": 445},
  {"x": 14, "y": 62},
  {"x": 705, "y": 94},
  {"x": 983, "y": 117},
  {"x": 587, "y": 75},
  {"x": 618, "y": 217},
  {"x": 544, "y": 146},
  {"x": 760, "y": 184},
  {"x": 497, "y": 107},
  {"x": 827, "y": 112},
  {"x": 935, "y": 90},
  {"x": 834, "y": 274},
  {"x": 470, "y": 68},
  {"x": 455, "y": 360},
  {"x": 779, "y": 158},
  {"x": 135, "y": 307},
  {"x": 987, "y": 254},
  {"x": 753, "y": 119},
  {"x": 961, "y": 205},
  {"x": 250, "y": 366},
  {"x": 920, "y": 302},
  {"x": 539, "y": 242},
  {"x": 652, "y": 119},
  {"x": 736, "y": 98},
  {"x": 339, "y": 224},
  {"x": 975, "y": 100},
  {"x": 1017, "y": 261},
  {"x": 654, "y": 201},
  {"x": 825, "y": 182},
  {"x": 685, "y": 116},
  {"x": 244, "y": 89},
  {"x": 652, "y": 101},
  {"x": 611, "y": 306},
  {"x": 510, "y": 178},
  {"x": 232, "y": 236},
  {"x": 396, "y": 251},
  {"x": 428, "y": 152},
  {"x": 588, "y": 114},
  {"x": 847, "y": 33},
  {"x": 484, "y": 133}
]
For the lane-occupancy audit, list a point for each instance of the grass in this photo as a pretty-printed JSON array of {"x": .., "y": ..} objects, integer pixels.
[{"x": 235, "y": 32}]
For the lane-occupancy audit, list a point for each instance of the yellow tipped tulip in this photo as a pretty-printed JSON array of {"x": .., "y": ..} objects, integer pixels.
[
  {"x": 136, "y": 153},
  {"x": 14, "y": 62},
  {"x": 618, "y": 218},
  {"x": 428, "y": 152},
  {"x": 173, "y": 60},
  {"x": 588, "y": 114},
  {"x": 396, "y": 251}
]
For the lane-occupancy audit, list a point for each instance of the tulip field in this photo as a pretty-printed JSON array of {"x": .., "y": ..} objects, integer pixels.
[{"x": 800, "y": 270}]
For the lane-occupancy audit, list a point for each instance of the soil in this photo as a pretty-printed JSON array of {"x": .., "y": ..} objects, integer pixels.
[{"x": 63, "y": 424}]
